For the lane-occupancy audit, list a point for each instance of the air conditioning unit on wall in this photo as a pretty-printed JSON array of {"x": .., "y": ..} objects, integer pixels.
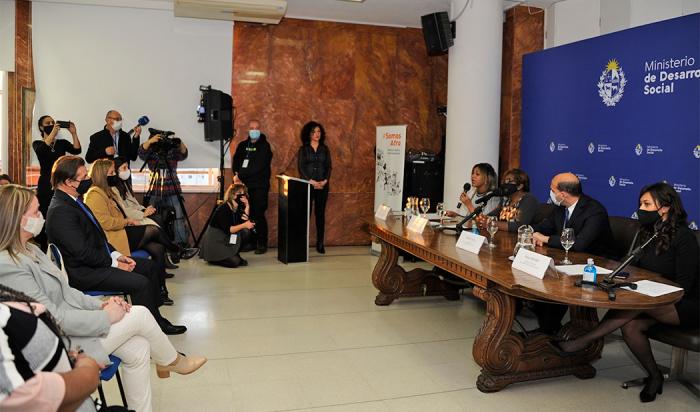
[{"x": 255, "y": 11}]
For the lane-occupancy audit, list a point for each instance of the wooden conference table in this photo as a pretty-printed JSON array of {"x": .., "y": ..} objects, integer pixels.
[{"x": 504, "y": 355}]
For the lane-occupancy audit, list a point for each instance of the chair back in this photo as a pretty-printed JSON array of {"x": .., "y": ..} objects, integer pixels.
[
  {"x": 624, "y": 231},
  {"x": 56, "y": 257},
  {"x": 544, "y": 210}
]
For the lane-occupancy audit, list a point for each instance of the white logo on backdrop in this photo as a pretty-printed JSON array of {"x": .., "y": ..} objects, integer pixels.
[
  {"x": 693, "y": 226},
  {"x": 638, "y": 149},
  {"x": 612, "y": 181},
  {"x": 591, "y": 148},
  {"x": 696, "y": 152},
  {"x": 552, "y": 147},
  {"x": 611, "y": 84}
]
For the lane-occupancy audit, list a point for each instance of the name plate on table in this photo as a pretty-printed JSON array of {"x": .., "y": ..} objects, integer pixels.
[
  {"x": 382, "y": 212},
  {"x": 417, "y": 224},
  {"x": 470, "y": 242},
  {"x": 533, "y": 263}
]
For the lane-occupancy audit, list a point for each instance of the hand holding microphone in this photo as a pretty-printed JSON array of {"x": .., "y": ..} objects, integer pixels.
[
  {"x": 143, "y": 120},
  {"x": 467, "y": 187}
]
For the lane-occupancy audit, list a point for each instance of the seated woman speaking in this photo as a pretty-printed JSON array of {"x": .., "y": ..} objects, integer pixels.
[
  {"x": 229, "y": 229},
  {"x": 674, "y": 254},
  {"x": 99, "y": 328}
]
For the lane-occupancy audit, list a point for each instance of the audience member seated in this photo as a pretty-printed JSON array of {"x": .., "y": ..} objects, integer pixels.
[
  {"x": 123, "y": 233},
  {"x": 91, "y": 262},
  {"x": 229, "y": 229},
  {"x": 124, "y": 196},
  {"x": 517, "y": 209},
  {"x": 484, "y": 181},
  {"x": 674, "y": 254},
  {"x": 100, "y": 328},
  {"x": 5, "y": 180},
  {"x": 591, "y": 226},
  {"x": 38, "y": 373}
]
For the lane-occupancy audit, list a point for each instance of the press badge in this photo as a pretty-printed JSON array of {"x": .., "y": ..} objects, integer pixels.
[
  {"x": 234, "y": 239},
  {"x": 245, "y": 163}
]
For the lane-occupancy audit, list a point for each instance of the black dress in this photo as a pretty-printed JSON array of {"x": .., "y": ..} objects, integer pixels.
[
  {"x": 680, "y": 265},
  {"x": 47, "y": 155}
]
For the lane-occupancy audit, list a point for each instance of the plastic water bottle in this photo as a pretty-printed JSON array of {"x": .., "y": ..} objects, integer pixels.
[
  {"x": 475, "y": 230},
  {"x": 589, "y": 272}
]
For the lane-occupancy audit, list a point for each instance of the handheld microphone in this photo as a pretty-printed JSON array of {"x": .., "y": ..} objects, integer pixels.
[
  {"x": 143, "y": 120},
  {"x": 506, "y": 189},
  {"x": 467, "y": 187},
  {"x": 164, "y": 133}
]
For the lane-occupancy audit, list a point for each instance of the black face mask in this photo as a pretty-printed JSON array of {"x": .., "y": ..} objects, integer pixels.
[
  {"x": 83, "y": 186},
  {"x": 647, "y": 218},
  {"x": 112, "y": 180},
  {"x": 48, "y": 129}
]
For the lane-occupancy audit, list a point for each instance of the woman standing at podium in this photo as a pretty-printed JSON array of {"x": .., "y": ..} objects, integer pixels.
[
  {"x": 674, "y": 255},
  {"x": 315, "y": 166}
]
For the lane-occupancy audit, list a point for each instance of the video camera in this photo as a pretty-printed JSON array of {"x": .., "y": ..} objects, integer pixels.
[{"x": 166, "y": 141}]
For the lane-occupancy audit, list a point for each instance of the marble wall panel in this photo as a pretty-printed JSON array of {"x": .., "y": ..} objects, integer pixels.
[{"x": 348, "y": 77}]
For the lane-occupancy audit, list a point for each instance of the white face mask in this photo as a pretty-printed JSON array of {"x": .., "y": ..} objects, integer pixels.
[
  {"x": 34, "y": 225},
  {"x": 554, "y": 198},
  {"x": 116, "y": 125},
  {"x": 124, "y": 174}
]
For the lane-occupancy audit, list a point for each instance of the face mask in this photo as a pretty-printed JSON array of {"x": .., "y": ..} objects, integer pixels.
[
  {"x": 83, "y": 186},
  {"x": 34, "y": 225},
  {"x": 254, "y": 134},
  {"x": 48, "y": 129},
  {"x": 116, "y": 125},
  {"x": 124, "y": 174},
  {"x": 112, "y": 180},
  {"x": 647, "y": 218},
  {"x": 553, "y": 197}
]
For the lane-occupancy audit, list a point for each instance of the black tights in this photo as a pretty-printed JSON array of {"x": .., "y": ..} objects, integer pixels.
[
  {"x": 634, "y": 324},
  {"x": 155, "y": 242}
]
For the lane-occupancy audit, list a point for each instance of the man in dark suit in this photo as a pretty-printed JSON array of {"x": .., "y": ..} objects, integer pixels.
[
  {"x": 112, "y": 141},
  {"x": 91, "y": 262},
  {"x": 587, "y": 217}
]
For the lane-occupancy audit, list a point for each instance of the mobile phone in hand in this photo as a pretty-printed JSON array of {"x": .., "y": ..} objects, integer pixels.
[{"x": 64, "y": 124}]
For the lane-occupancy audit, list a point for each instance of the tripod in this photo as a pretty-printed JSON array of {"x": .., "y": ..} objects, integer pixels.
[
  {"x": 220, "y": 197},
  {"x": 161, "y": 173}
]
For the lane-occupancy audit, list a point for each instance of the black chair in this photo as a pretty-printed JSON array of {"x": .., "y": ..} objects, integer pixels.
[
  {"x": 681, "y": 340},
  {"x": 544, "y": 210},
  {"x": 624, "y": 231}
]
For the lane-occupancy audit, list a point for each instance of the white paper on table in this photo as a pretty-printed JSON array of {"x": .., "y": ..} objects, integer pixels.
[
  {"x": 653, "y": 289},
  {"x": 573, "y": 270}
]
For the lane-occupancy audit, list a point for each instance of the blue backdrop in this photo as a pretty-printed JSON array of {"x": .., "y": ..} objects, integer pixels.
[{"x": 621, "y": 111}]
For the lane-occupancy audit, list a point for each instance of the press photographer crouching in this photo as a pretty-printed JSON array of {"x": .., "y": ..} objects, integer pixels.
[
  {"x": 162, "y": 152},
  {"x": 230, "y": 229}
]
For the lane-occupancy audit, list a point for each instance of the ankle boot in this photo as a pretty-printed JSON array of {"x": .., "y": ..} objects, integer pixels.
[{"x": 184, "y": 365}]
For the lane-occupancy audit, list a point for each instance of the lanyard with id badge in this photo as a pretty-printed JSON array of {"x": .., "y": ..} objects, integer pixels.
[{"x": 249, "y": 149}]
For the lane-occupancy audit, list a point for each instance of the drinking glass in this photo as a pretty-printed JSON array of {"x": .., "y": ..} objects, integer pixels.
[
  {"x": 567, "y": 241},
  {"x": 492, "y": 228},
  {"x": 440, "y": 210},
  {"x": 425, "y": 205}
]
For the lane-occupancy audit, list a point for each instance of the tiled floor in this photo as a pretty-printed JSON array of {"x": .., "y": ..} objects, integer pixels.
[{"x": 308, "y": 336}]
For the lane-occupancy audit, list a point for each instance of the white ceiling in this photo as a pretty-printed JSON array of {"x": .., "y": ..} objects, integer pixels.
[{"x": 402, "y": 13}]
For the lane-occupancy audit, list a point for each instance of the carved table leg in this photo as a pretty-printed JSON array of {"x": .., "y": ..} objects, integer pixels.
[
  {"x": 393, "y": 281},
  {"x": 507, "y": 357}
]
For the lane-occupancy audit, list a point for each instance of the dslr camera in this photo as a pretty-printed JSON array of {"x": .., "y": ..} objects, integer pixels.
[
  {"x": 167, "y": 141},
  {"x": 241, "y": 210}
]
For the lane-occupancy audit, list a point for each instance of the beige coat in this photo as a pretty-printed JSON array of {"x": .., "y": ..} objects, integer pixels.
[{"x": 110, "y": 218}]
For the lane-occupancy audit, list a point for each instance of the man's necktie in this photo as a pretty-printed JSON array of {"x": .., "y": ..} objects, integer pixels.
[{"x": 92, "y": 218}]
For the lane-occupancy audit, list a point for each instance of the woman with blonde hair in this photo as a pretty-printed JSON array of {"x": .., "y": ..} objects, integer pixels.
[
  {"x": 125, "y": 234},
  {"x": 229, "y": 229},
  {"x": 99, "y": 328}
]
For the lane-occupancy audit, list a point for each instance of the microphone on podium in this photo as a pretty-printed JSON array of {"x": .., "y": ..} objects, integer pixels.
[{"x": 467, "y": 187}]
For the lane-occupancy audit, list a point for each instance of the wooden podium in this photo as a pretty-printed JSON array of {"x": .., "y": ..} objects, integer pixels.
[{"x": 294, "y": 197}]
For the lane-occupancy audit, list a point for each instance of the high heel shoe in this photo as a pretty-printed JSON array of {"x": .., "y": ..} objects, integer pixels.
[
  {"x": 648, "y": 394},
  {"x": 183, "y": 365}
]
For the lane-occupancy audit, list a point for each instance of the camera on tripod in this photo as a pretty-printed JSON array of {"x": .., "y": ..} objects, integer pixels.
[{"x": 166, "y": 142}]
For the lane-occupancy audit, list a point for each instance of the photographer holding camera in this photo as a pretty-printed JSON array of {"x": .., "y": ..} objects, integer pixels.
[
  {"x": 162, "y": 154},
  {"x": 112, "y": 141},
  {"x": 229, "y": 230}
]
